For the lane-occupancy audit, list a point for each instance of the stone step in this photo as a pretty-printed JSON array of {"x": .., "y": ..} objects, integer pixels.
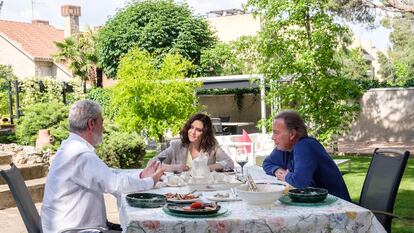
[
  {"x": 28, "y": 172},
  {"x": 36, "y": 188},
  {"x": 5, "y": 158}
]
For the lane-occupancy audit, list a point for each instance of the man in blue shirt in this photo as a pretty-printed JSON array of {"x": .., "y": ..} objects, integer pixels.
[{"x": 300, "y": 160}]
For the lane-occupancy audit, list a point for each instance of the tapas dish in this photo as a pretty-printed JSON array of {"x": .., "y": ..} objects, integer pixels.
[
  {"x": 195, "y": 208},
  {"x": 181, "y": 198}
]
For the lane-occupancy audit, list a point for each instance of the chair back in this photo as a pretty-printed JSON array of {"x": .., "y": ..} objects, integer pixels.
[
  {"x": 22, "y": 198},
  {"x": 218, "y": 127},
  {"x": 382, "y": 181}
]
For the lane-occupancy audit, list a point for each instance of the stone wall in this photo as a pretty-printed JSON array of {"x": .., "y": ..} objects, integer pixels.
[
  {"x": 387, "y": 116},
  {"x": 25, "y": 154}
]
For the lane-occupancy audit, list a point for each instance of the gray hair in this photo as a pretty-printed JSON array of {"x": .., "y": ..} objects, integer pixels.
[
  {"x": 80, "y": 112},
  {"x": 294, "y": 121}
]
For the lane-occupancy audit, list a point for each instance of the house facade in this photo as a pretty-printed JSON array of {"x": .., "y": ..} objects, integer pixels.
[{"x": 28, "y": 47}]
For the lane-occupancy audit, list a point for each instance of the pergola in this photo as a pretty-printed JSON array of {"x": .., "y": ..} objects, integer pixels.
[{"x": 238, "y": 81}]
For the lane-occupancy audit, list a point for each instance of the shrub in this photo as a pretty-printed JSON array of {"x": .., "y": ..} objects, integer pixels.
[
  {"x": 103, "y": 96},
  {"x": 120, "y": 149},
  {"x": 40, "y": 116}
]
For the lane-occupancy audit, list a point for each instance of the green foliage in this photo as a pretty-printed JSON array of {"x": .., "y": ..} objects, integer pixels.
[
  {"x": 299, "y": 40},
  {"x": 40, "y": 89},
  {"x": 41, "y": 116},
  {"x": 219, "y": 60},
  {"x": 398, "y": 67},
  {"x": 104, "y": 97},
  {"x": 153, "y": 99},
  {"x": 237, "y": 57},
  {"x": 354, "y": 65},
  {"x": 6, "y": 74},
  {"x": 78, "y": 51},
  {"x": 46, "y": 89},
  {"x": 157, "y": 26},
  {"x": 121, "y": 149}
]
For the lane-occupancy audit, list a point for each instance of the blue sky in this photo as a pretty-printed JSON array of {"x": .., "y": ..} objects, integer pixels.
[{"x": 96, "y": 12}]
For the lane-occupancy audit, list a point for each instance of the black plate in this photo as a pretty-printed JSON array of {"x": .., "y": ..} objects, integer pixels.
[
  {"x": 178, "y": 208},
  {"x": 146, "y": 200},
  {"x": 308, "y": 195}
]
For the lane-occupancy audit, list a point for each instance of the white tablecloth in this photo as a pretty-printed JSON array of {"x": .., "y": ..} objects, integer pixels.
[{"x": 340, "y": 216}]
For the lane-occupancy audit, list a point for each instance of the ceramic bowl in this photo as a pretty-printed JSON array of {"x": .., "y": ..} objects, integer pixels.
[
  {"x": 266, "y": 194},
  {"x": 308, "y": 195},
  {"x": 146, "y": 200}
]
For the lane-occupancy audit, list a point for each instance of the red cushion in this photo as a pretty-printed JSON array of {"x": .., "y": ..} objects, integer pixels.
[{"x": 245, "y": 138}]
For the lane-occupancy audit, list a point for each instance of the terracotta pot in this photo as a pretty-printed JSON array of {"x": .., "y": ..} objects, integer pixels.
[{"x": 44, "y": 138}]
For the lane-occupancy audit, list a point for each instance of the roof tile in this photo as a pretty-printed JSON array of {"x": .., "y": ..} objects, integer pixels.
[{"x": 34, "y": 39}]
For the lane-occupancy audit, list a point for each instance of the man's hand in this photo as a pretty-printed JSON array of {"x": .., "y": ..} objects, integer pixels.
[
  {"x": 157, "y": 175},
  {"x": 281, "y": 173},
  {"x": 151, "y": 168}
]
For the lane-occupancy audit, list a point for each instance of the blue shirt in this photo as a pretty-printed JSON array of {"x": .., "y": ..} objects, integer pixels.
[{"x": 309, "y": 166}]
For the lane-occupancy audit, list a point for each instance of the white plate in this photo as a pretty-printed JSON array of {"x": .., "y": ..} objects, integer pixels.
[{"x": 183, "y": 201}]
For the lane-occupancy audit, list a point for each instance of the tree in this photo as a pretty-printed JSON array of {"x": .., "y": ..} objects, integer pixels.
[
  {"x": 236, "y": 57},
  {"x": 153, "y": 99},
  {"x": 220, "y": 60},
  {"x": 157, "y": 26},
  {"x": 6, "y": 74},
  {"x": 299, "y": 40},
  {"x": 398, "y": 67},
  {"x": 366, "y": 10},
  {"x": 78, "y": 51},
  {"x": 354, "y": 65}
]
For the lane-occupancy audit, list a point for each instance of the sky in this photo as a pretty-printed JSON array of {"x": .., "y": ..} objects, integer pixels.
[{"x": 96, "y": 12}]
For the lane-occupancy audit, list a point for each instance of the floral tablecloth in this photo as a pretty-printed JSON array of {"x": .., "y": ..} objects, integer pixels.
[{"x": 340, "y": 216}]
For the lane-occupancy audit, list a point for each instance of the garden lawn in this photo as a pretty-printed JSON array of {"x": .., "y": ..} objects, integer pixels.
[{"x": 404, "y": 203}]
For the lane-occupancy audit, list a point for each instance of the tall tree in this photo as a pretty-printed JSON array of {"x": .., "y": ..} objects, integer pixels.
[
  {"x": 366, "y": 10},
  {"x": 237, "y": 57},
  {"x": 398, "y": 67},
  {"x": 156, "y": 26},
  {"x": 153, "y": 98},
  {"x": 78, "y": 51},
  {"x": 299, "y": 40}
]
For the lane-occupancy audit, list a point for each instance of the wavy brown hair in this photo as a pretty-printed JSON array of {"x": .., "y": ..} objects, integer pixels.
[{"x": 208, "y": 141}]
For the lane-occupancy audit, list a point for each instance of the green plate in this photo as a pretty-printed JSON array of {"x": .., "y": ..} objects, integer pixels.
[
  {"x": 221, "y": 212},
  {"x": 287, "y": 201}
]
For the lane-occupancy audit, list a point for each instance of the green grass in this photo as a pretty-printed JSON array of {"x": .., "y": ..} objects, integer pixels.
[
  {"x": 404, "y": 203},
  {"x": 148, "y": 155}
]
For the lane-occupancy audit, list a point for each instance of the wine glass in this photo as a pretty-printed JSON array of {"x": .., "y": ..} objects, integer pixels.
[
  {"x": 161, "y": 146},
  {"x": 241, "y": 158}
]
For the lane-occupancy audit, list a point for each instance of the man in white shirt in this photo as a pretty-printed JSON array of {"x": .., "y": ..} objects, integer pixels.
[{"x": 78, "y": 179}]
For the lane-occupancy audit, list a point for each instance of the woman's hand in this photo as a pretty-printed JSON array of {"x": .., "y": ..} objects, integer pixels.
[
  {"x": 175, "y": 167},
  {"x": 216, "y": 167}
]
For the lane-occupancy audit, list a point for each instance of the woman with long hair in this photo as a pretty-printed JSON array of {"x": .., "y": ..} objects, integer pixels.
[{"x": 196, "y": 136}]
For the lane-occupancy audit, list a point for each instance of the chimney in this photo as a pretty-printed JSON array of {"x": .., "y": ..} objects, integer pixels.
[
  {"x": 38, "y": 21},
  {"x": 71, "y": 14}
]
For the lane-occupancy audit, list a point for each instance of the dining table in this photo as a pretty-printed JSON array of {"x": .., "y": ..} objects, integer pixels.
[{"x": 238, "y": 216}]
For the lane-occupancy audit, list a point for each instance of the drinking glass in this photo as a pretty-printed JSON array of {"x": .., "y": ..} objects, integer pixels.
[
  {"x": 241, "y": 158},
  {"x": 161, "y": 146}
]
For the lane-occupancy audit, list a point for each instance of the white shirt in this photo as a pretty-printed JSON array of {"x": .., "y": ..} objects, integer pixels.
[{"x": 75, "y": 185}]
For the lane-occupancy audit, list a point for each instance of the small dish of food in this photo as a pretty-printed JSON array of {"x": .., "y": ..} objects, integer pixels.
[{"x": 182, "y": 198}]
